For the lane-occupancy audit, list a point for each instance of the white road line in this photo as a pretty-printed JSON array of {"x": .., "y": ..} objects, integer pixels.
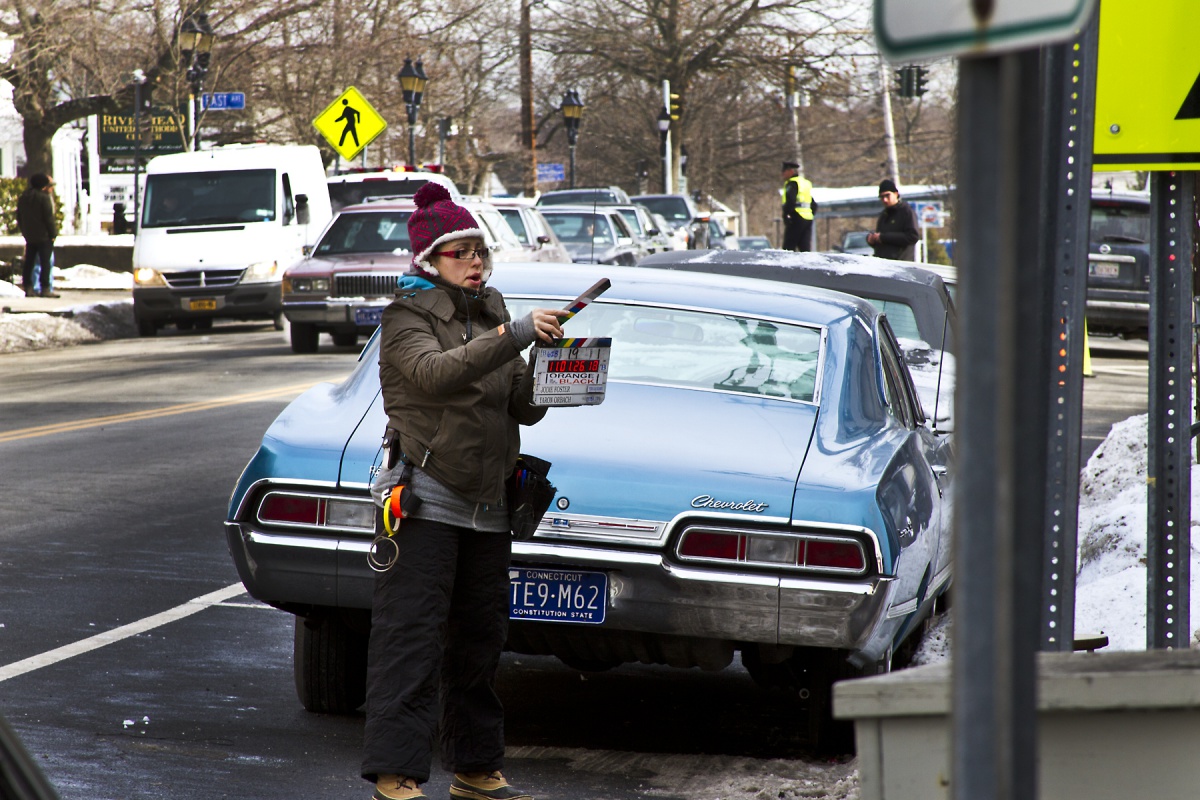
[{"x": 117, "y": 634}]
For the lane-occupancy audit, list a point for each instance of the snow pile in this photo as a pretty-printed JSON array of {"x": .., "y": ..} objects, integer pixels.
[{"x": 92, "y": 322}]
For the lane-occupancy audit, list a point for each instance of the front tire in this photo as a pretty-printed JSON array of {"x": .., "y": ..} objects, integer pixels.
[
  {"x": 305, "y": 337},
  {"x": 345, "y": 338},
  {"x": 329, "y": 661}
]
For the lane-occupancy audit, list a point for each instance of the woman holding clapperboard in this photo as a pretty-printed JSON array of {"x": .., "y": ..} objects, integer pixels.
[{"x": 452, "y": 375}]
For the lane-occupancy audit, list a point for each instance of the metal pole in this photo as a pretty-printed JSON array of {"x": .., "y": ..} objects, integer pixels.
[
  {"x": 137, "y": 151},
  {"x": 666, "y": 89},
  {"x": 412, "y": 134},
  {"x": 1000, "y": 415},
  {"x": 1168, "y": 465},
  {"x": 889, "y": 128},
  {"x": 1070, "y": 84},
  {"x": 572, "y": 149}
]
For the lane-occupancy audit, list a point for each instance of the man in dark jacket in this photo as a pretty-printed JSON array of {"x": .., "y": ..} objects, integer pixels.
[
  {"x": 35, "y": 220},
  {"x": 895, "y": 235}
]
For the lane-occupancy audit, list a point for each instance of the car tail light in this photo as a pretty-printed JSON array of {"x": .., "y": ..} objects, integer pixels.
[
  {"x": 832, "y": 554},
  {"x": 315, "y": 512}
]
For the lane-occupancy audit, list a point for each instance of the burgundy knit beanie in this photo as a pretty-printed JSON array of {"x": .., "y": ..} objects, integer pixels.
[{"x": 438, "y": 220}]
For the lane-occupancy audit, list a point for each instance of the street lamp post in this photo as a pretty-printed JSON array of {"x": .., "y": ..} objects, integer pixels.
[
  {"x": 196, "y": 39},
  {"x": 572, "y": 111},
  {"x": 412, "y": 84},
  {"x": 139, "y": 78},
  {"x": 664, "y": 133},
  {"x": 445, "y": 126}
]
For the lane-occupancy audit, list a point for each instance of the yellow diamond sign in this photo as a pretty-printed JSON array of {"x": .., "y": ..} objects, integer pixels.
[
  {"x": 350, "y": 123},
  {"x": 1148, "y": 86}
]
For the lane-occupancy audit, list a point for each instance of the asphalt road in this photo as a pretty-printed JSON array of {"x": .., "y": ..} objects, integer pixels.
[{"x": 133, "y": 666}]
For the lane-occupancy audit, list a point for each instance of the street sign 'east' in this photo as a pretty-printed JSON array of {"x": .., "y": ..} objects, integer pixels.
[
  {"x": 1148, "y": 86},
  {"x": 909, "y": 29},
  {"x": 350, "y": 123},
  {"x": 223, "y": 101}
]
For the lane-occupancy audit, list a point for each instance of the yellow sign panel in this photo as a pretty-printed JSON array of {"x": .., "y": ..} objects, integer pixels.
[
  {"x": 350, "y": 123},
  {"x": 1148, "y": 86}
]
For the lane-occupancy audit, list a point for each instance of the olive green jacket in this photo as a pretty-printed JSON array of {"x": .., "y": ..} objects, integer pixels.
[{"x": 455, "y": 403}]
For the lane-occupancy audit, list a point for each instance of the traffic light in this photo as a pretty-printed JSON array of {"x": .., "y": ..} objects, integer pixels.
[
  {"x": 912, "y": 81},
  {"x": 676, "y": 106},
  {"x": 919, "y": 86}
]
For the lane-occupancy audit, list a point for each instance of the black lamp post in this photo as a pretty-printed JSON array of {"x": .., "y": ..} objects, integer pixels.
[
  {"x": 664, "y": 127},
  {"x": 572, "y": 111},
  {"x": 196, "y": 39},
  {"x": 412, "y": 85},
  {"x": 139, "y": 79}
]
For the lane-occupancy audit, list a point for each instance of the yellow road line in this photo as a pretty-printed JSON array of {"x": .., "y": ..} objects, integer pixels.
[{"x": 153, "y": 413}]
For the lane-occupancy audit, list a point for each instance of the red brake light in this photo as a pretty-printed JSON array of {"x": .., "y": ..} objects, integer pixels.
[
  {"x": 835, "y": 555},
  {"x": 284, "y": 508},
  {"x": 705, "y": 544}
]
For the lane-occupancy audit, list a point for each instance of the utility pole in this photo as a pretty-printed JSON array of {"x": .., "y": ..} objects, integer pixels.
[
  {"x": 889, "y": 130},
  {"x": 527, "y": 113}
]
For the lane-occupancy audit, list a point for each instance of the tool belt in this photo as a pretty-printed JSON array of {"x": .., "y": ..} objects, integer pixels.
[{"x": 529, "y": 493}]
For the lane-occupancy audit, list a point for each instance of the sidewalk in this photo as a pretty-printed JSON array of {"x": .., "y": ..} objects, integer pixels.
[{"x": 70, "y": 298}]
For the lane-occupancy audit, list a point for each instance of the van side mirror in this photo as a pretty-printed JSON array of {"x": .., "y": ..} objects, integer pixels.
[
  {"x": 543, "y": 239},
  {"x": 303, "y": 215}
]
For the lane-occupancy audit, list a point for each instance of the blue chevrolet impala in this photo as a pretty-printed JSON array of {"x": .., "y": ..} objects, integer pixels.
[{"x": 759, "y": 479}]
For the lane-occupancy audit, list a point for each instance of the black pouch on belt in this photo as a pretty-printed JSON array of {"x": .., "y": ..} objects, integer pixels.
[{"x": 529, "y": 495}]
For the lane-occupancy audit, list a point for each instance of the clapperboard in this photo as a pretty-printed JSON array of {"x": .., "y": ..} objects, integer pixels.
[{"x": 573, "y": 372}]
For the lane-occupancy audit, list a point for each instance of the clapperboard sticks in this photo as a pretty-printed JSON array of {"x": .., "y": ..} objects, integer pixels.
[{"x": 600, "y": 287}]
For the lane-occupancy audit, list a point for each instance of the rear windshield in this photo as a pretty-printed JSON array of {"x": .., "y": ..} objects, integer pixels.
[
  {"x": 673, "y": 209},
  {"x": 700, "y": 350},
  {"x": 366, "y": 232},
  {"x": 1120, "y": 224},
  {"x": 347, "y": 193},
  {"x": 580, "y": 227},
  {"x": 208, "y": 198}
]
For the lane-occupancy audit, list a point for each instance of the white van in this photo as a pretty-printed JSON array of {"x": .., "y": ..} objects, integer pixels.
[{"x": 219, "y": 227}]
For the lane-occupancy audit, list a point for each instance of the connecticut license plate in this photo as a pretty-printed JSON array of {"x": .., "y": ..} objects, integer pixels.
[
  {"x": 368, "y": 316},
  {"x": 1104, "y": 269},
  {"x": 203, "y": 305},
  {"x": 553, "y": 595}
]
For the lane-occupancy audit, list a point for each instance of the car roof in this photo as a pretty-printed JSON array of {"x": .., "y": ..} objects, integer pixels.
[
  {"x": 804, "y": 304},
  {"x": 923, "y": 290}
]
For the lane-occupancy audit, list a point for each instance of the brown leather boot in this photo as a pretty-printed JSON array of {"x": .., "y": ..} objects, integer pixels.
[
  {"x": 485, "y": 786},
  {"x": 397, "y": 787}
]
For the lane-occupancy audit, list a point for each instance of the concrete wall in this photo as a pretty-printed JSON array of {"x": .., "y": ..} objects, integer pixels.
[{"x": 115, "y": 257}]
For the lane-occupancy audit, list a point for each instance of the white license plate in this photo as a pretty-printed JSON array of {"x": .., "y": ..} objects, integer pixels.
[
  {"x": 1104, "y": 269},
  {"x": 552, "y": 595},
  {"x": 369, "y": 316}
]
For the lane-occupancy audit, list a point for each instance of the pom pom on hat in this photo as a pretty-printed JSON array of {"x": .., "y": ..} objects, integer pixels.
[{"x": 438, "y": 219}]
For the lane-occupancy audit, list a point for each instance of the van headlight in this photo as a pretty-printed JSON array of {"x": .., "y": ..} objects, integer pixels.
[
  {"x": 262, "y": 272},
  {"x": 144, "y": 276}
]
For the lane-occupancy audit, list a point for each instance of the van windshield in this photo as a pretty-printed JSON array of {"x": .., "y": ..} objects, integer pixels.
[{"x": 206, "y": 198}]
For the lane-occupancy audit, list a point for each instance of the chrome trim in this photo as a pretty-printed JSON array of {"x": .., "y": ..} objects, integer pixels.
[
  {"x": 1118, "y": 305},
  {"x": 867, "y": 589},
  {"x": 1110, "y": 257},
  {"x": 601, "y": 528},
  {"x": 283, "y": 540},
  {"x": 546, "y": 529},
  {"x": 341, "y": 498},
  {"x": 837, "y": 526},
  {"x": 902, "y": 610},
  {"x": 796, "y": 537}
]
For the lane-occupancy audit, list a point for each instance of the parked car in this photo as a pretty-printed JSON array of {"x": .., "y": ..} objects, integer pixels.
[
  {"x": 654, "y": 239},
  {"x": 855, "y": 243},
  {"x": 1118, "y": 279},
  {"x": 687, "y": 222},
  {"x": 719, "y": 238},
  {"x": 759, "y": 478},
  {"x": 602, "y": 194},
  {"x": 754, "y": 243},
  {"x": 352, "y": 188},
  {"x": 594, "y": 234},
  {"x": 343, "y": 285},
  {"x": 916, "y": 300},
  {"x": 532, "y": 230}
]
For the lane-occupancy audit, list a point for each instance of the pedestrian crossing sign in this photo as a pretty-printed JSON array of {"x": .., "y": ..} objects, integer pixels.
[{"x": 350, "y": 123}]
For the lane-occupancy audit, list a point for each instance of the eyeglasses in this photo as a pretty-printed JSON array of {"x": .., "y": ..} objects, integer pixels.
[{"x": 466, "y": 254}]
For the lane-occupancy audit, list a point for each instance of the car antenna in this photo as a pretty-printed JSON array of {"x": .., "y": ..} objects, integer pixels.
[{"x": 937, "y": 395}]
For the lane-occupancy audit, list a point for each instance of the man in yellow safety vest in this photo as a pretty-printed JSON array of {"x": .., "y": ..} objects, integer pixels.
[{"x": 798, "y": 208}]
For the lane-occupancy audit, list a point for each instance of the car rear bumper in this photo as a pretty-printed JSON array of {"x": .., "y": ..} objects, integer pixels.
[
  {"x": 242, "y": 301},
  {"x": 646, "y": 592},
  {"x": 1118, "y": 308}
]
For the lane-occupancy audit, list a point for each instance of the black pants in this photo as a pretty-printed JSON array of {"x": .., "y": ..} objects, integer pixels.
[
  {"x": 797, "y": 235},
  {"x": 438, "y": 624},
  {"x": 36, "y": 253}
]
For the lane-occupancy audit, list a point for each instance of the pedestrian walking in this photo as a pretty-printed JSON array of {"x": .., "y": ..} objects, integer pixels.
[
  {"x": 895, "y": 235},
  {"x": 798, "y": 209},
  {"x": 39, "y": 228},
  {"x": 455, "y": 389}
]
